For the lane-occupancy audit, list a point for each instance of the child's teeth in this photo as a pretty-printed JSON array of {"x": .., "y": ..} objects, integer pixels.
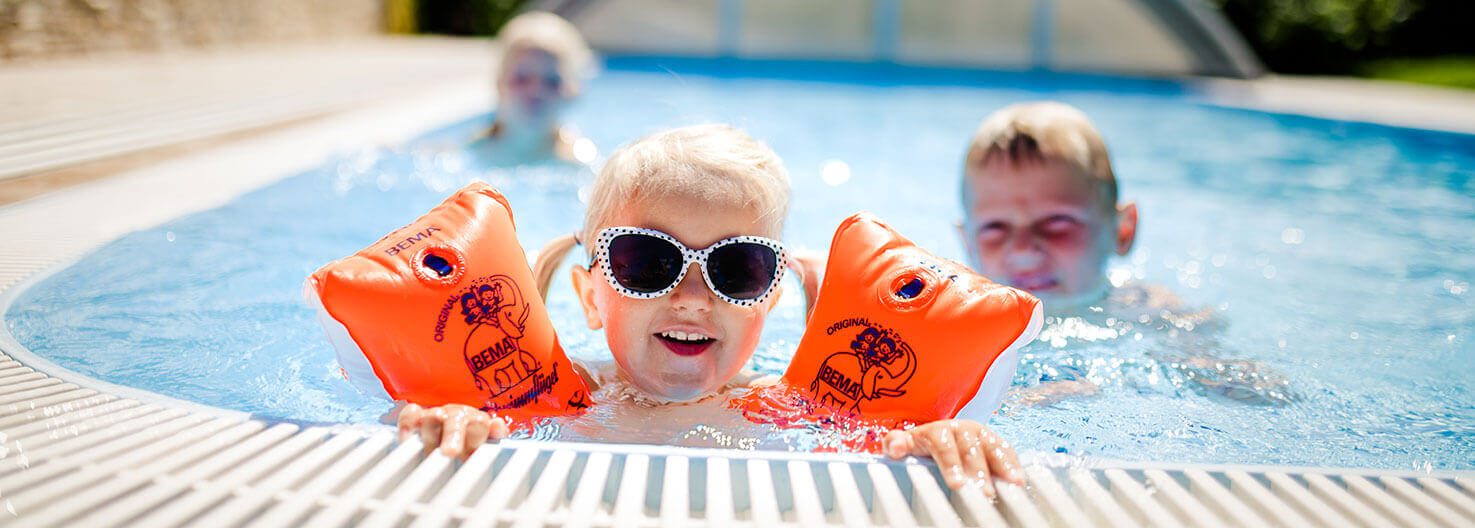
[{"x": 683, "y": 336}]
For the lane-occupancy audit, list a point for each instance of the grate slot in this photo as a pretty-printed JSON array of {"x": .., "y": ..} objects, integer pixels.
[
  {"x": 1357, "y": 511},
  {"x": 510, "y": 483},
  {"x": 1097, "y": 501},
  {"x": 384, "y": 470},
  {"x": 457, "y": 490},
  {"x": 888, "y": 495},
  {"x": 69, "y": 454},
  {"x": 1220, "y": 499},
  {"x": 15, "y": 399},
  {"x": 1466, "y": 483},
  {"x": 1285, "y": 486},
  {"x": 1449, "y": 495},
  {"x": 1366, "y": 490},
  {"x": 275, "y": 446},
  {"x": 1251, "y": 491},
  {"x": 546, "y": 491},
  {"x": 37, "y": 382},
  {"x": 675, "y": 509},
  {"x": 184, "y": 445},
  {"x": 22, "y": 397},
  {"x": 299, "y": 502},
  {"x": 53, "y": 466},
  {"x": 1133, "y": 495},
  {"x": 848, "y": 500},
  {"x": 13, "y": 377},
  {"x": 21, "y": 413},
  {"x": 589, "y": 492},
  {"x": 48, "y": 408},
  {"x": 63, "y": 423},
  {"x": 762, "y": 499},
  {"x": 250, "y": 501},
  {"x": 1402, "y": 489},
  {"x": 808, "y": 509},
  {"x": 1182, "y": 502},
  {"x": 630, "y": 502},
  {"x": 1018, "y": 507},
  {"x": 719, "y": 509},
  {"x": 429, "y": 472},
  {"x": 1059, "y": 503},
  {"x": 930, "y": 501}
]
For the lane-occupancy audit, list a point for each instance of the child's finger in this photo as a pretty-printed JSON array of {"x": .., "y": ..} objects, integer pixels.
[
  {"x": 939, "y": 443},
  {"x": 975, "y": 461},
  {"x": 499, "y": 428},
  {"x": 430, "y": 428},
  {"x": 897, "y": 444},
  {"x": 1003, "y": 459},
  {"x": 409, "y": 420},
  {"x": 453, "y": 435},
  {"x": 477, "y": 430}
]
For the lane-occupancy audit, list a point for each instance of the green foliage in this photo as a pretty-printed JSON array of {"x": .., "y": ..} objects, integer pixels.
[
  {"x": 1352, "y": 24},
  {"x": 1338, "y": 36},
  {"x": 1457, "y": 72}
]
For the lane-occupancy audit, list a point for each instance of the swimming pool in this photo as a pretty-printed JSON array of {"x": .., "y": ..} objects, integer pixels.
[{"x": 1334, "y": 255}]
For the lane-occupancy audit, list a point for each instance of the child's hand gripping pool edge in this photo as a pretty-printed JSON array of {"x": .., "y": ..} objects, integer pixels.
[
  {"x": 967, "y": 453},
  {"x": 457, "y": 430}
]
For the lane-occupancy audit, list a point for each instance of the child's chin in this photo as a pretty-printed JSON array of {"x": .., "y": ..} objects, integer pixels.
[{"x": 683, "y": 388}]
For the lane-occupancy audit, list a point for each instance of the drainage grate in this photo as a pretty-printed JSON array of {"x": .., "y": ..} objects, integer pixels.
[{"x": 86, "y": 459}]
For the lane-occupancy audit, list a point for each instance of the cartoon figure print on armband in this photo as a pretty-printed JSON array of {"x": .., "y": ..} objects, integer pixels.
[
  {"x": 877, "y": 365},
  {"x": 494, "y": 308}
]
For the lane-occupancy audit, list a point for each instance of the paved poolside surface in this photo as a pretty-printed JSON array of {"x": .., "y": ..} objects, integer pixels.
[{"x": 67, "y": 122}]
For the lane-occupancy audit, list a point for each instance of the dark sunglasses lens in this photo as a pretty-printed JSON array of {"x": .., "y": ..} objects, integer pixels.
[
  {"x": 644, "y": 263},
  {"x": 743, "y": 270}
]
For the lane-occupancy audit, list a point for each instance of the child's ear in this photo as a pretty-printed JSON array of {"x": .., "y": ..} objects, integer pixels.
[
  {"x": 1126, "y": 227},
  {"x": 584, "y": 287}
]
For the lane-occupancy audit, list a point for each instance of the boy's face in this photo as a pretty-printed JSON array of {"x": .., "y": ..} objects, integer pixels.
[
  {"x": 1043, "y": 227},
  {"x": 633, "y": 327},
  {"x": 531, "y": 88}
]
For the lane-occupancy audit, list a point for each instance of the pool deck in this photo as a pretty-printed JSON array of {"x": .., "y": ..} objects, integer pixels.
[{"x": 78, "y": 452}]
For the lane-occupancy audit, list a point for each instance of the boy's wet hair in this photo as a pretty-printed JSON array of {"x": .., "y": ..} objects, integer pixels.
[
  {"x": 1036, "y": 132},
  {"x": 718, "y": 164}
]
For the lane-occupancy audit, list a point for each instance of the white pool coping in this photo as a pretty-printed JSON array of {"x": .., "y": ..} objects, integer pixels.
[{"x": 150, "y": 468}]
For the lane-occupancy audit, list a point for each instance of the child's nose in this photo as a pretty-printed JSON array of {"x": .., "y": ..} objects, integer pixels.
[
  {"x": 1024, "y": 251},
  {"x": 692, "y": 293}
]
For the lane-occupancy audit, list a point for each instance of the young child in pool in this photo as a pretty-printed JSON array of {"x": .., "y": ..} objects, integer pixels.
[
  {"x": 1040, "y": 208},
  {"x": 674, "y": 338},
  {"x": 544, "y": 60},
  {"x": 1041, "y": 213}
]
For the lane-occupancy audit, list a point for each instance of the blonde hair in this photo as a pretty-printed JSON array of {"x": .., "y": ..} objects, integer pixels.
[
  {"x": 710, "y": 163},
  {"x": 1040, "y": 131},
  {"x": 544, "y": 31}
]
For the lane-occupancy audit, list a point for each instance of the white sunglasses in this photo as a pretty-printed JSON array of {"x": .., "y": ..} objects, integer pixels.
[{"x": 645, "y": 264}]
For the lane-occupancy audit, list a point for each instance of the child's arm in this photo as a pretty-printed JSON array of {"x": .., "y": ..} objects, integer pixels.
[
  {"x": 967, "y": 452},
  {"x": 811, "y": 269}
]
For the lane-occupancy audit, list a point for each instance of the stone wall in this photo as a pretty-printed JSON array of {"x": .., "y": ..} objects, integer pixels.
[{"x": 49, "y": 28}]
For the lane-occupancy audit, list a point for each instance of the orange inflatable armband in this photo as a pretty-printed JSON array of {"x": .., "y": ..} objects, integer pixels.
[
  {"x": 444, "y": 310},
  {"x": 898, "y": 334}
]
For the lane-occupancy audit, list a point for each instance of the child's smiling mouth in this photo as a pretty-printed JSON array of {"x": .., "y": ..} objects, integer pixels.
[
  {"x": 685, "y": 343},
  {"x": 1034, "y": 282}
]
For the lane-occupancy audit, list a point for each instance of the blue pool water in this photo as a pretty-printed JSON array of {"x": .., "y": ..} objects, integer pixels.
[{"x": 1324, "y": 267}]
